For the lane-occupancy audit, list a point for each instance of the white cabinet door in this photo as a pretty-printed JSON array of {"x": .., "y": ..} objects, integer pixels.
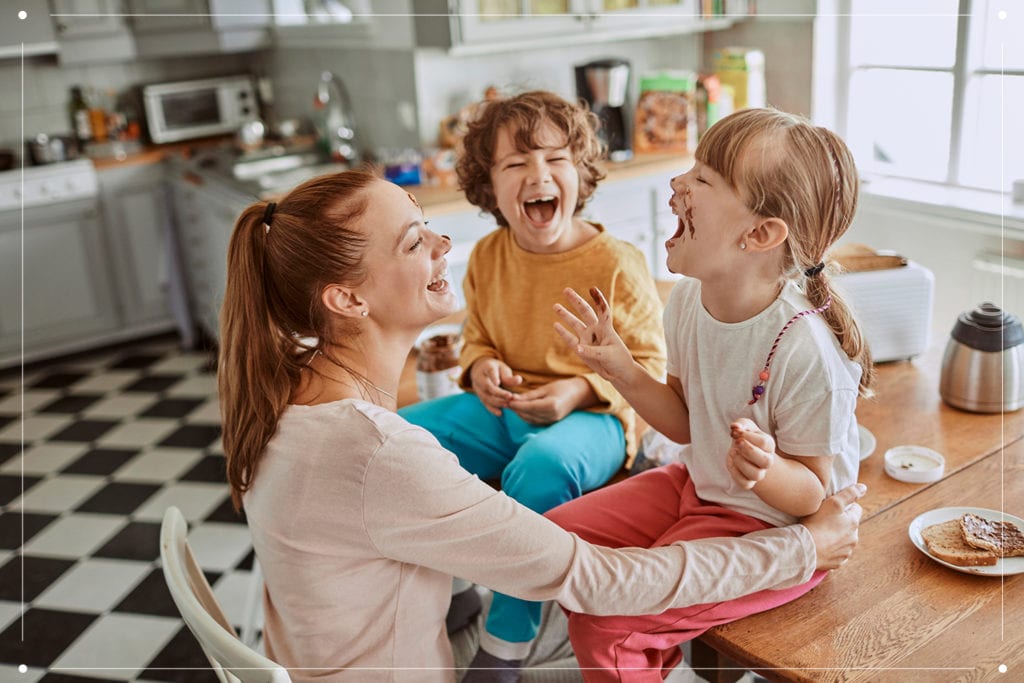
[
  {"x": 61, "y": 276},
  {"x": 34, "y": 32},
  {"x": 498, "y": 21},
  {"x": 205, "y": 218},
  {"x": 92, "y": 31},
  {"x": 136, "y": 221}
]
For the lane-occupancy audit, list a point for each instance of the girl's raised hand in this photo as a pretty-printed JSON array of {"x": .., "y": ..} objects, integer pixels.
[
  {"x": 592, "y": 334},
  {"x": 751, "y": 454}
]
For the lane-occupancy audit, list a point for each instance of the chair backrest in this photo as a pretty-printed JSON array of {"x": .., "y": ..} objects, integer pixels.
[{"x": 230, "y": 658}]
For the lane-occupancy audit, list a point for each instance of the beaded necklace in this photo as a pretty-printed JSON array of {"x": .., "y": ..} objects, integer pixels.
[{"x": 763, "y": 376}]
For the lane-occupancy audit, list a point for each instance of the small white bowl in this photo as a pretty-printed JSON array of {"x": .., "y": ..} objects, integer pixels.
[
  {"x": 914, "y": 464},
  {"x": 868, "y": 442}
]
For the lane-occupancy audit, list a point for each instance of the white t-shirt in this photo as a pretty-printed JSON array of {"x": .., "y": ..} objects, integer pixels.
[{"x": 809, "y": 399}]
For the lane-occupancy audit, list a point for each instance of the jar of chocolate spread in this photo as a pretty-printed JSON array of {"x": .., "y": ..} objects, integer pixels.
[{"x": 437, "y": 366}]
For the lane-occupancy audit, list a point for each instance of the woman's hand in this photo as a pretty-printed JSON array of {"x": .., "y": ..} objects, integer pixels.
[
  {"x": 751, "y": 454},
  {"x": 834, "y": 526},
  {"x": 489, "y": 377},
  {"x": 592, "y": 335},
  {"x": 550, "y": 403}
]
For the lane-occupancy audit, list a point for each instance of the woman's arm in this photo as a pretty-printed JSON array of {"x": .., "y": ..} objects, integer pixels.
[{"x": 420, "y": 507}]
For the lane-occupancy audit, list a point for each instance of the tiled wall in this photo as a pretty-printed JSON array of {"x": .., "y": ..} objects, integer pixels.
[
  {"x": 400, "y": 96},
  {"x": 47, "y": 86},
  {"x": 445, "y": 84},
  {"x": 380, "y": 83}
]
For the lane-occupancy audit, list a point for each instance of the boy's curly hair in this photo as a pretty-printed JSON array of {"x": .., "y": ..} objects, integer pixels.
[{"x": 524, "y": 113}]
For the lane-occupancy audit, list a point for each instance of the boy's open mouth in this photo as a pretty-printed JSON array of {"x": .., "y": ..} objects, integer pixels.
[{"x": 541, "y": 209}]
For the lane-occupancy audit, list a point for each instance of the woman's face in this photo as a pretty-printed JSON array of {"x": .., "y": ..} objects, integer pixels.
[
  {"x": 712, "y": 220},
  {"x": 536, "y": 190},
  {"x": 407, "y": 283}
]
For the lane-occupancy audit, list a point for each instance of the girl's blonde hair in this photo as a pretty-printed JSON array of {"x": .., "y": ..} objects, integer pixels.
[
  {"x": 524, "y": 114},
  {"x": 804, "y": 175},
  {"x": 273, "y": 319}
]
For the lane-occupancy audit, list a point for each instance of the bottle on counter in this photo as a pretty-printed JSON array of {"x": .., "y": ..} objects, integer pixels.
[
  {"x": 81, "y": 124},
  {"x": 97, "y": 116}
]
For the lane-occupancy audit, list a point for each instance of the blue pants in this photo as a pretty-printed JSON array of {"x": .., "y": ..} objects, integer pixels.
[{"x": 541, "y": 467}]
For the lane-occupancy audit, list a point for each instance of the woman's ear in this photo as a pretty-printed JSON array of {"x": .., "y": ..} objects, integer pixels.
[
  {"x": 767, "y": 234},
  {"x": 343, "y": 301}
]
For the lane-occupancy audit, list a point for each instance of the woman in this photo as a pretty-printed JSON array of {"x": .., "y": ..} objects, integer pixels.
[{"x": 360, "y": 519}]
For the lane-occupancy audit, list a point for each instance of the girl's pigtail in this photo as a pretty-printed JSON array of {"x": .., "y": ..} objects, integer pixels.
[
  {"x": 840, "y": 318},
  {"x": 254, "y": 368}
]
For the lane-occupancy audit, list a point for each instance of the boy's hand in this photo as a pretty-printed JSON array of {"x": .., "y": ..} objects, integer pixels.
[
  {"x": 550, "y": 403},
  {"x": 751, "y": 454},
  {"x": 593, "y": 336},
  {"x": 489, "y": 377}
]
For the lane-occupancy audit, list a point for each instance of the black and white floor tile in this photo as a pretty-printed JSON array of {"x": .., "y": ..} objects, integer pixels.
[{"x": 93, "y": 449}]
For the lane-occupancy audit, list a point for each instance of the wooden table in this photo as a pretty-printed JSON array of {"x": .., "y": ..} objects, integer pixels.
[{"x": 891, "y": 613}]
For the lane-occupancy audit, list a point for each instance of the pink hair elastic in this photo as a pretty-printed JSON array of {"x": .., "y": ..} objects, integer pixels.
[{"x": 763, "y": 376}]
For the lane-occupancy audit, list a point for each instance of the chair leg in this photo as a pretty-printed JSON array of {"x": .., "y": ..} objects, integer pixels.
[{"x": 252, "y": 606}]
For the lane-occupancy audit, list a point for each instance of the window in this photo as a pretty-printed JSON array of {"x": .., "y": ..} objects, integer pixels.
[{"x": 932, "y": 89}]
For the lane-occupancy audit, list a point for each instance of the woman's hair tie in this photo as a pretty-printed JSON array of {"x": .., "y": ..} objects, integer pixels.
[
  {"x": 268, "y": 214},
  {"x": 814, "y": 270}
]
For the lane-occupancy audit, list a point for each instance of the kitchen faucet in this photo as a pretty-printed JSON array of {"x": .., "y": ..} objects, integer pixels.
[{"x": 335, "y": 123}]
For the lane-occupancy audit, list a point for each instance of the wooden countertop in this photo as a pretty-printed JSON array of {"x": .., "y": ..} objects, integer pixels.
[
  {"x": 891, "y": 614},
  {"x": 891, "y": 609}
]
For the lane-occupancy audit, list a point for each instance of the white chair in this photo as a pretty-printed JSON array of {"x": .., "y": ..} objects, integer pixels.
[{"x": 232, "y": 661}]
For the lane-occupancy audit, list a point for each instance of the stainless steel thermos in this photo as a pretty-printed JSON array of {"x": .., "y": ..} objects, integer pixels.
[{"x": 983, "y": 367}]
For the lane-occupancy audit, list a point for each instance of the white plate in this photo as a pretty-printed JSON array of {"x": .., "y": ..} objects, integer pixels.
[
  {"x": 1004, "y": 566},
  {"x": 440, "y": 328},
  {"x": 867, "y": 442}
]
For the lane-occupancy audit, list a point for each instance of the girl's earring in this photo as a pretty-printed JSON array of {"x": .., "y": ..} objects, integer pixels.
[
  {"x": 365, "y": 313},
  {"x": 743, "y": 245}
]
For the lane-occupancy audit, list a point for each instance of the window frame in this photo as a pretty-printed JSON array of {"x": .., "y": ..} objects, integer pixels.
[{"x": 833, "y": 74}]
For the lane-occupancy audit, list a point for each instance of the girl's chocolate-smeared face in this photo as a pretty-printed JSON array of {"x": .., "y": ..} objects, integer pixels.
[{"x": 711, "y": 220}]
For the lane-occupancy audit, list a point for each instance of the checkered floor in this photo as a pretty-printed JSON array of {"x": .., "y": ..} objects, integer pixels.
[{"x": 110, "y": 440}]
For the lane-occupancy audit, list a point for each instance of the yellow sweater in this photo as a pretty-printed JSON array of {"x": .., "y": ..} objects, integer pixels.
[{"x": 510, "y": 297}]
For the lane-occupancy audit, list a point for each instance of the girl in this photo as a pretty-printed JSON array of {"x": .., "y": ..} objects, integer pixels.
[
  {"x": 537, "y": 417},
  {"x": 765, "y": 365},
  {"x": 360, "y": 519}
]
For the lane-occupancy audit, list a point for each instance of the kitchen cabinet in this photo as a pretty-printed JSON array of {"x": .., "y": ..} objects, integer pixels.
[
  {"x": 33, "y": 34},
  {"x": 205, "y": 215},
  {"x": 92, "y": 31},
  {"x": 465, "y": 27},
  {"x": 636, "y": 211},
  {"x": 480, "y": 26},
  {"x": 138, "y": 233},
  {"x": 57, "y": 267},
  {"x": 171, "y": 28}
]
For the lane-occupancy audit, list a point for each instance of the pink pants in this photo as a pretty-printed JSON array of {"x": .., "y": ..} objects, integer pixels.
[{"x": 655, "y": 508}]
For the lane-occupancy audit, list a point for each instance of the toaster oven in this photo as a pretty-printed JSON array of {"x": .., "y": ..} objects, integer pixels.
[
  {"x": 193, "y": 109},
  {"x": 893, "y": 308}
]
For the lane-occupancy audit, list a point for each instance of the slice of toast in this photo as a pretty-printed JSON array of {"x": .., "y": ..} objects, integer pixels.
[
  {"x": 1002, "y": 538},
  {"x": 946, "y": 542}
]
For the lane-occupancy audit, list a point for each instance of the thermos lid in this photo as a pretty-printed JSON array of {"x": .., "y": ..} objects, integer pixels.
[{"x": 988, "y": 328}]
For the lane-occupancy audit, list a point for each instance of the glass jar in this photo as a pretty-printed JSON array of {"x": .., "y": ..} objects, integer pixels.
[{"x": 437, "y": 366}]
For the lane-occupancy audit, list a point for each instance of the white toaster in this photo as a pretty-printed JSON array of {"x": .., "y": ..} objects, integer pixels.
[{"x": 893, "y": 308}]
